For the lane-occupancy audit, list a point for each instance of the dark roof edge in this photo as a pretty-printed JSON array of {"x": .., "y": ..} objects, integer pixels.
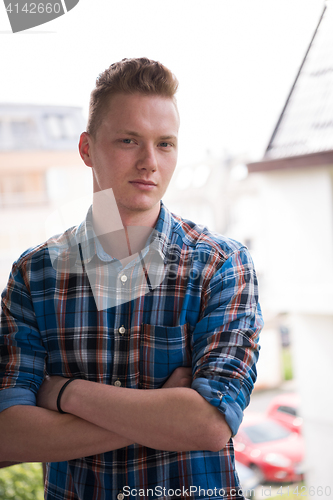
[
  {"x": 294, "y": 84},
  {"x": 319, "y": 159}
]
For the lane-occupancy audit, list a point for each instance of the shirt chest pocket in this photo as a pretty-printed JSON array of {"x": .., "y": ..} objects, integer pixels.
[{"x": 162, "y": 350}]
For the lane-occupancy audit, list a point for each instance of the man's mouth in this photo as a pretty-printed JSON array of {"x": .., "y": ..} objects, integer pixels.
[
  {"x": 142, "y": 181},
  {"x": 143, "y": 184}
]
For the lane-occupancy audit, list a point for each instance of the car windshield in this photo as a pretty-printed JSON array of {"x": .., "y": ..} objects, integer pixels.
[{"x": 266, "y": 431}]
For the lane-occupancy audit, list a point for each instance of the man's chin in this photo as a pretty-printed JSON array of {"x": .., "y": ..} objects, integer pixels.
[{"x": 142, "y": 204}]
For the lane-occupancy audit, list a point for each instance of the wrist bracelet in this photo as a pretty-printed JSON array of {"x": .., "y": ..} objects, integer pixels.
[{"x": 61, "y": 393}]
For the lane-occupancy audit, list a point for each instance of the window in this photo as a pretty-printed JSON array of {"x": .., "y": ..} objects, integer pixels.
[
  {"x": 288, "y": 409},
  {"x": 61, "y": 127},
  {"x": 22, "y": 133},
  {"x": 265, "y": 432},
  {"x": 19, "y": 129},
  {"x": 69, "y": 127},
  {"x": 22, "y": 189},
  {"x": 53, "y": 127}
]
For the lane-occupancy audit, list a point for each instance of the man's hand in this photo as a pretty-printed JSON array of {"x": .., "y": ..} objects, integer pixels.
[
  {"x": 48, "y": 392},
  {"x": 180, "y": 377}
]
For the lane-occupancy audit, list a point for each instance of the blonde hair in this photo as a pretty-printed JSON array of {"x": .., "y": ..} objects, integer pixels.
[{"x": 129, "y": 76}]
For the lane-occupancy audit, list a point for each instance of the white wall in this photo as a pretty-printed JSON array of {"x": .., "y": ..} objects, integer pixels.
[
  {"x": 312, "y": 341},
  {"x": 296, "y": 242},
  {"x": 289, "y": 216},
  {"x": 269, "y": 366}
]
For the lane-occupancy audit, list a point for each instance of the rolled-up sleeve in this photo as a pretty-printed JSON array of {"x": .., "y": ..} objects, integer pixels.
[
  {"x": 225, "y": 341},
  {"x": 22, "y": 354}
]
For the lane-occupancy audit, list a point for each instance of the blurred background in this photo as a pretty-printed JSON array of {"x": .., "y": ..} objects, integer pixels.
[{"x": 255, "y": 163}]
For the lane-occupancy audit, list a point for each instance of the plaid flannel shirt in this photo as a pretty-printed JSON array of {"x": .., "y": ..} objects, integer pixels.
[{"x": 204, "y": 314}]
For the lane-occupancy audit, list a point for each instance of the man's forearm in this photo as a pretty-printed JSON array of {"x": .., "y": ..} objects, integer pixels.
[
  {"x": 174, "y": 419},
  {"x": 33, "y": 434}
]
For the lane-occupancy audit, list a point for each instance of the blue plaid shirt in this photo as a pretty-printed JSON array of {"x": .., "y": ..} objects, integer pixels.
[{"x": 204, "y": 313}]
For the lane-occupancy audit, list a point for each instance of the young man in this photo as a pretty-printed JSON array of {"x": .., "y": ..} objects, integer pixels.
[{"x": 128, "y": 344}]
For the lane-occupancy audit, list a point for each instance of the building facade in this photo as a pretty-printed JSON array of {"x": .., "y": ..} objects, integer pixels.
[
  {"x": 296, "y": 174},
  {"x": 40, "y": 169}
]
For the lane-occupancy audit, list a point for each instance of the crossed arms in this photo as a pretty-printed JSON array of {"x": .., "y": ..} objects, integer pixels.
[
  {"x": 103, "y": 418},
  {"x": 175, "y": 417}
]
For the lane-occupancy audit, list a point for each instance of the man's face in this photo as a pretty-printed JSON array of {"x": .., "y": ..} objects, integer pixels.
[{"x": 134, "y": 151}]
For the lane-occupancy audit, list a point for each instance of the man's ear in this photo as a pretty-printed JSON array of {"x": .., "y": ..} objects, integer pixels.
[{"x": 85, "y": 148}]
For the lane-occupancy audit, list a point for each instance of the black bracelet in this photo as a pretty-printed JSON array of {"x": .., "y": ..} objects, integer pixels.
[{"x": 61, "y": 393}]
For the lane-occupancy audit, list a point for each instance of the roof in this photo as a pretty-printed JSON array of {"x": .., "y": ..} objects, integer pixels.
[
  {"x": 305, "y": 126},
  {"x": 39, "y": 127}
]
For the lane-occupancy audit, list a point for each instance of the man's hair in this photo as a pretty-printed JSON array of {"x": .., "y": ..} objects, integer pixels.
[{"x": 129, "y": 76}]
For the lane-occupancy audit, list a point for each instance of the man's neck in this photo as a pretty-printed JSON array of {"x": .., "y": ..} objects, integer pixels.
[
  {"x": 144, "y": 218},
  {"x": 127, "y": 242},
  {"x": 121, "y": 233}
]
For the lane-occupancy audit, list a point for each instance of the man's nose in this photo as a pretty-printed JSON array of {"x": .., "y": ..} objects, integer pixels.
[{"x": 148, "y": 159}]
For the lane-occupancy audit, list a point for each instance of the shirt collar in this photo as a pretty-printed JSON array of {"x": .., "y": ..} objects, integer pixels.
[{"x": 89, "y": 245}]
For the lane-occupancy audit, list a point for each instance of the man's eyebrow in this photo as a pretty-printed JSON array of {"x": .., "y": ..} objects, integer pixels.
[
  {"x": 169, "y": 137},
  {"x": 136, "y": 134},
  {"x": 128, "y": 132}
]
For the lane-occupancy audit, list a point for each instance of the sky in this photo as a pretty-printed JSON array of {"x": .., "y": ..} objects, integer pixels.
[{"x": 235, "y": 60}]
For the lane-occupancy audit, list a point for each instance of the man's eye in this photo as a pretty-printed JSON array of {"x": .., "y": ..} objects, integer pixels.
[
  {"x": 127, "y": 141},
  {"x": 165, "y": 144}
]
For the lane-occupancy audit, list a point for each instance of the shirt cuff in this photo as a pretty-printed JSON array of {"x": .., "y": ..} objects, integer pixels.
[
  {"x": 223, "y": 398},
  {"x": 16, "y": 396}
]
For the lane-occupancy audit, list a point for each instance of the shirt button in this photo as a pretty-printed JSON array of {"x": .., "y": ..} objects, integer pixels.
[
  {"x": 120, "y": 496},
  {"x": 123, "y": 279},
  {"x": 117, "y": 383},
  {"x": 122, "y": 330}
]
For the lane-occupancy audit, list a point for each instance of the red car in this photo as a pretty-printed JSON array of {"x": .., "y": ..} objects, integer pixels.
[
  {"x": 274, "y": 452},
  {"x": 283, "y": 409}
]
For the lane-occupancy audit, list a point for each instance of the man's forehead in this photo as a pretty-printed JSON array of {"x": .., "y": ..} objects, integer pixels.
[{"x": 128, "y": 112}]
